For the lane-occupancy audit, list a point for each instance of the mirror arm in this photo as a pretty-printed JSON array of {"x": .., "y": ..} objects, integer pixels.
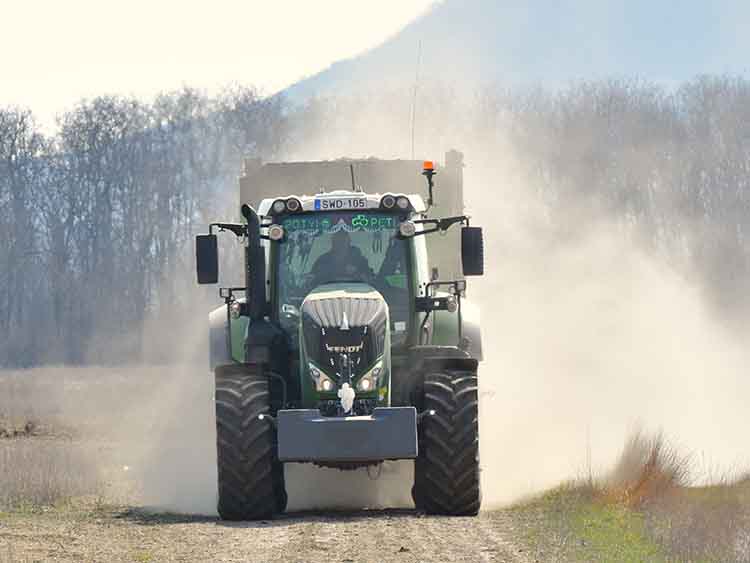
[
  {"x": 239, "y": 229},
  {"x": 441, "y": 224},
  {"x": 448, "y": 222}
]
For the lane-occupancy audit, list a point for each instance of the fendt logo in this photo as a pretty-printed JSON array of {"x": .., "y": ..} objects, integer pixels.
[{"x": 345, "y": 349}]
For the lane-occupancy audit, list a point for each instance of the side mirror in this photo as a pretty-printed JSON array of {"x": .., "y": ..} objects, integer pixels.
[
  {"x": 472, "y": 251},
  {"x": 207, "y": 258}
]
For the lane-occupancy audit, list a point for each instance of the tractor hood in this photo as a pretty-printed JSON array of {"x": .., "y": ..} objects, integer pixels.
[{"x": 344, "y": 329}]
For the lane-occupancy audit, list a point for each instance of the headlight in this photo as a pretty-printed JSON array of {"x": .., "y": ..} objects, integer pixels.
[
  {"x": 235, "y": 309},
  {"x": 388, "y": 201},
  {"x": 370, "y": 380},
  {"x": 403, "y": 202},
  {"x": 322, "y": 382},
  {"x": 407, "y": 229},
  {"x": 293, "y": 205},
  {"x": 276, "y": 232}
]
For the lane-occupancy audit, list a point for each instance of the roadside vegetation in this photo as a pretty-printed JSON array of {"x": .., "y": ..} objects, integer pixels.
[
  {"x": 39, "y": 473},
  {"x": 41, "y": 464},
  {"x": 56, "y": 436},
  {"x": 646, "y": 509}
]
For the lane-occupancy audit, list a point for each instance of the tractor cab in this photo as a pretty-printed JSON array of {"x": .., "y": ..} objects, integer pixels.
[{"x": 354, "y": 245}]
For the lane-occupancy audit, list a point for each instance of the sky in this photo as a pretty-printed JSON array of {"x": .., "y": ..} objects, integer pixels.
[
  {"x": 538, "y": 42},
  {"x": 56, "y": 53}
]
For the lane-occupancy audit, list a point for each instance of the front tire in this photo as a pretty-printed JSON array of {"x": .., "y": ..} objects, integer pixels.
[
  {"x": 251, "y": 478},
  {"x": 446, "y": 473}
]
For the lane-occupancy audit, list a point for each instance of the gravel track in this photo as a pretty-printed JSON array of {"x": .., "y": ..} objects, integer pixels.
[{"x": 109, "y": 535}]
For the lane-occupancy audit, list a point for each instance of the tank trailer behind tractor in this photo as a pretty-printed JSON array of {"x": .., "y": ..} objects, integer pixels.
[{"x": 352, "y": 341}]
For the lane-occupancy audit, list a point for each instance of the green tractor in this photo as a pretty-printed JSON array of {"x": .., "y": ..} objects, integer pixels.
[{"x": 345, "y": 348}]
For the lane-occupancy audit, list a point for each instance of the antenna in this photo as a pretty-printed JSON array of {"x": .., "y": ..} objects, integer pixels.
[
  {"x": 354, "y": 183},
  {"x": 414, "y": 98}
]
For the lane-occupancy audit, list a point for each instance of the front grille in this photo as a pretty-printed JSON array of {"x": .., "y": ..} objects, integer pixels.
[
  {"x": 344, "y": 334},
  {"x": 360, "y": 311}
]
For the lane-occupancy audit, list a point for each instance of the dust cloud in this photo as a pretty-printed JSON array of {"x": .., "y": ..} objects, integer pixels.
[
  {"x": 589, "y": 337},
  {"x": 148, "y": 431},
  {"x": 586, "y": 336},
  {"x": 585, "y": 339},
  {"x": 140, "y": 435}
]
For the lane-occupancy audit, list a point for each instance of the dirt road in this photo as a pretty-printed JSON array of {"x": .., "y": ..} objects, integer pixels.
[
  {"x": 114, "y": 535},
  {"x": 134, "y": 438}
]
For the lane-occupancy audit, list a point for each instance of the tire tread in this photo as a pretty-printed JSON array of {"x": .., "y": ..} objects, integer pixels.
[
  {"x": 447, "y": 469},
  {"x": 251, "y": 479}
]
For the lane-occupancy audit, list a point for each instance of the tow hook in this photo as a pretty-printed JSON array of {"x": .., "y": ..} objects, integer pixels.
[
  {"x": 269, "y": 418},
  {"x": 420, "y": 416}
]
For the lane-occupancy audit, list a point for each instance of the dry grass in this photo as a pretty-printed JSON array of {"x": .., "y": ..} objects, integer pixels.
[
  {"x": 703, "y": 524},
  {"x": 648, "y": 508},
  {"x": 649, "y": 468},
  {"x": 706, "y": 523},
  {"x": 47, "y": 456},
  {"x": 32, "y": 407},
  {"x": 120, "y": 434},
  {"x": 44, "y": 472},
  {"x": 38, "y": 467}
]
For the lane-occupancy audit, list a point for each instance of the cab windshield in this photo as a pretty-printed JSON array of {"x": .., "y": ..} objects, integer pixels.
[{"x": 341, "y": 247}]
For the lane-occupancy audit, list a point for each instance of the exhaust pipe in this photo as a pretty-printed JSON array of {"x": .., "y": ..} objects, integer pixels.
[
  {"x": 255, "y": 267},
  {"x": 264, "y": 343}
]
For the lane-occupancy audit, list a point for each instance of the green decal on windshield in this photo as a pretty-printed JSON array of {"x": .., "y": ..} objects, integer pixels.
[
  {"x": 373, "y": 223},
  {"x": 350, "y": 223}
]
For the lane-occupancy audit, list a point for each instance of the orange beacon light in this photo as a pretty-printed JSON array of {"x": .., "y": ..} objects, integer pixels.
[{"x": 429, "y": 172}]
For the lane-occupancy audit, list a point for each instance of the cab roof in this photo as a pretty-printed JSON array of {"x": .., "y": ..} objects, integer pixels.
[
  {"x": 368, "y": 201},
  {"x": 263, "y": 181}
]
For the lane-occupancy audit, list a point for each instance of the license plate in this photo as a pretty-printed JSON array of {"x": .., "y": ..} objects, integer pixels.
[{"x": 340, "y": 203}]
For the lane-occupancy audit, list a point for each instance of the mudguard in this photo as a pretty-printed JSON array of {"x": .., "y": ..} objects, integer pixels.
[
  {"x": 472, "y": 329},
  {"x": 445, "y": 332},
  {"x": 218, "y": 337}
]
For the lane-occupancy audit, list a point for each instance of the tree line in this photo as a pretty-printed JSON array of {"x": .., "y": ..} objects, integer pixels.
[{"x": 97, "y": 220}]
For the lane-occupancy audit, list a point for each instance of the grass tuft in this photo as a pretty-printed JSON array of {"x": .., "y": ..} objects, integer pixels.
[{"x": 648, "y": 469}]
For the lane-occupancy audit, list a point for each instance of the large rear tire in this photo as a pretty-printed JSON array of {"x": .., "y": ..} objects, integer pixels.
[
  {"x": 251, "y": 478},
  {"x": 446, "y": 473}
]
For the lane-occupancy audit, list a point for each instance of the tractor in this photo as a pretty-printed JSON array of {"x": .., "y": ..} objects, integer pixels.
[{"x": 352, "y": 341}]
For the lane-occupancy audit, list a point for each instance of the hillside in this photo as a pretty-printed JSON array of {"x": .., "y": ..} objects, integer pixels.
[{"x": 478, "y": 41}]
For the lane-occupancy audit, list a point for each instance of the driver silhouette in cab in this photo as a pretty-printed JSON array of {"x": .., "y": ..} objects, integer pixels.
[{"x": 343, "y": 262}]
